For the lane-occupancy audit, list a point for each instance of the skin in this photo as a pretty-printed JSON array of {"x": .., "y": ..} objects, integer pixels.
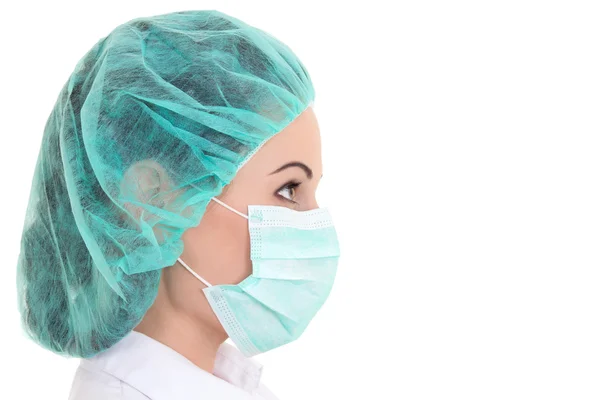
[{"x": 218, "y": 249}]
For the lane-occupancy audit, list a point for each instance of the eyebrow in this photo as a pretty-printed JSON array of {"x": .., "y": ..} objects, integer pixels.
[{"x": 306, "y": 169}]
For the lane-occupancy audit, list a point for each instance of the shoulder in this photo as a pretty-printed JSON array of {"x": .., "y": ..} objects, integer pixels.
[{"x": 92, "y": 384}]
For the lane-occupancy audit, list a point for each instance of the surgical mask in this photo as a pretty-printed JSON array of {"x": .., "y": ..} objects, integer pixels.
[{"x": 294, "y": 258}]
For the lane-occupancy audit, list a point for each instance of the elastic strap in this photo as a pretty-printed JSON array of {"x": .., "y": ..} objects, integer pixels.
[
  {"x": 194, "y": 273},
  {"x": 229, "y": 207}
]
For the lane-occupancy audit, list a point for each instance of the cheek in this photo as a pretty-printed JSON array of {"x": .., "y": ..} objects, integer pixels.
[
  {"x": 233, "y": 255},
  {"x": 219, "y": 249}
]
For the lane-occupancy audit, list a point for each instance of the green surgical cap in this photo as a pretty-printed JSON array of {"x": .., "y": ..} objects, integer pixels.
[{"x": 154, "y": 121}]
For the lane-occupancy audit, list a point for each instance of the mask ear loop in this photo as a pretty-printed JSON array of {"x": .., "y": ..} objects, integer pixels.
[
  {"x": 201, "y": 279},
  {"x": 230, "y": 208},
  {"x": 194, "y": 273}
]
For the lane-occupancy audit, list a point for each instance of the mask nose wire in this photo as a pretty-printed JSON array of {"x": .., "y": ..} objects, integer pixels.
[{"x": 194, "y": 273}]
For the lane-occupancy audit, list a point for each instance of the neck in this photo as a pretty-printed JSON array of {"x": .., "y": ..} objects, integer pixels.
[{"x": 192, "y": 339}]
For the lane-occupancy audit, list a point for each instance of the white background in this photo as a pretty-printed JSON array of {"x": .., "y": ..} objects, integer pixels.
[{"x": 461, "y": 156}]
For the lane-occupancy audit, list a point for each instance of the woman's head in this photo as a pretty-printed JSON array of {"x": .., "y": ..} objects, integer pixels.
[
  {"x": 156, "y": 119},
  {"x": 284, "y": 172}
]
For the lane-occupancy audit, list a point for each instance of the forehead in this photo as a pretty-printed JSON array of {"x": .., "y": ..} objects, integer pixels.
[{"x": 299, "y": 141}]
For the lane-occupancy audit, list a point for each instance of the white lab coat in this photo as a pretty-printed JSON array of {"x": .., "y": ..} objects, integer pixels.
[{"x": 140, "y": 368}]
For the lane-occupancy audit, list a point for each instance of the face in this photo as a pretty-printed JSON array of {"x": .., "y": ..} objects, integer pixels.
[{"x": 284, "y": 172}]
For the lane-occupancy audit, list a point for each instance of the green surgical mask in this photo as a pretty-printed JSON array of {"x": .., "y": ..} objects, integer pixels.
[{"x": 294, "y": 261}]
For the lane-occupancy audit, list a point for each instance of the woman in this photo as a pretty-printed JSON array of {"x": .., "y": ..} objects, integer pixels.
[{"x": 173, "y": 207}]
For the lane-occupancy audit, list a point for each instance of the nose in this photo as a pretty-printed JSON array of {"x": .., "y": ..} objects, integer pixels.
[{"x": 313, "y": 204}]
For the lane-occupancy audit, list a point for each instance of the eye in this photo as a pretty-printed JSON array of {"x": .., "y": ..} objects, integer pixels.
[{"x": 288, "y": 191}]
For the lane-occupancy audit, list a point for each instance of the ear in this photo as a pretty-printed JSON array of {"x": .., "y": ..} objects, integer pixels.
[{"x": 144, "y": 182}]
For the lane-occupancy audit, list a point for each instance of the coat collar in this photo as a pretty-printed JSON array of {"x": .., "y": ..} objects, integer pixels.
[{"x": 161, "y": 373}]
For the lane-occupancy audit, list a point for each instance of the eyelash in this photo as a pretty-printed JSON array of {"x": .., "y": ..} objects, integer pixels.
[{"x": 289, "y": 186}]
